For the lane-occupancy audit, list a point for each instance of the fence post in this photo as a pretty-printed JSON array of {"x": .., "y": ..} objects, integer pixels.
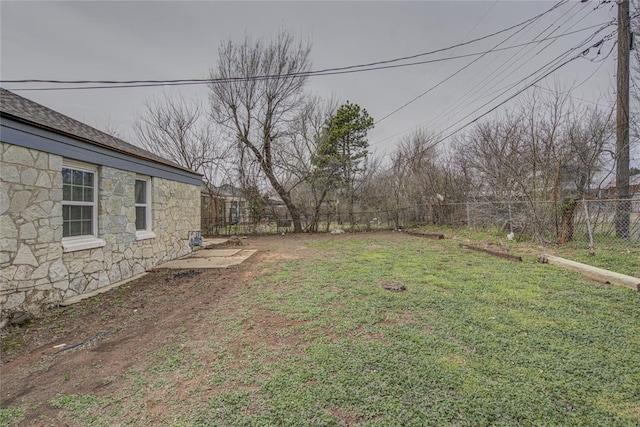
[
  {"x": 468, "y": 215},
  {"x": 510, "y": 219},
  {"x": 586, "y": 213}
]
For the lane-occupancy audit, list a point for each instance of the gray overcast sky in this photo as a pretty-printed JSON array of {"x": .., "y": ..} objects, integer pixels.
[{"x": 179, "y": 39}]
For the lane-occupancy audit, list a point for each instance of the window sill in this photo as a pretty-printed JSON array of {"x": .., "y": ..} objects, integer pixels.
[
  {"x": 145, "y": 234},
  {"x": 72, "y": 244}
]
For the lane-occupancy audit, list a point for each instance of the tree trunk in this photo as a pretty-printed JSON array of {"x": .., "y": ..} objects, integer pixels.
[
  {"x": 350, "y": 212},
  {"x": 286, "y": 199},
  {"x": 313, "y": 227},
  {"x": 568, "y": 211}
]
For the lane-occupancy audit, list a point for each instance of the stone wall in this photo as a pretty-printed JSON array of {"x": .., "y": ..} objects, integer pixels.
[
  {"x": 123, "y": 256},
  {"x": 35, "y": 272},
  {"x": 32, "y": 272}
]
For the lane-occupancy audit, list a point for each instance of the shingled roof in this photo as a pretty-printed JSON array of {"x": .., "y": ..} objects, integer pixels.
[{"x": 24, "y": 110}]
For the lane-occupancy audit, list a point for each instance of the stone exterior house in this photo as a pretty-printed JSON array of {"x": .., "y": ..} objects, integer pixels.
[{"x": 81, "y": 209}]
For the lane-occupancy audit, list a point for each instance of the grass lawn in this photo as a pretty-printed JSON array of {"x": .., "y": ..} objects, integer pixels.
[{"x": 315, "y": 341}]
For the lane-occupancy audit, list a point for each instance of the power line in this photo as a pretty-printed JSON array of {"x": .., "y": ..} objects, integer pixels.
[
  {"x": 480, "y": 89},
  {"x": 293, "y": 75},
  {"x": 541, "y": 69},
  {"x": 568, "y": 93},
  {"x": 435, "y": 72},
  {"x": 327, "y": 71},
  {"x": 581, "y": 54},
  {"x": 552, "y": 63},
  {"x": 495, "y": 48},
  {"x": 515, "y": 58},
  {"x": 549, "y": 64}
]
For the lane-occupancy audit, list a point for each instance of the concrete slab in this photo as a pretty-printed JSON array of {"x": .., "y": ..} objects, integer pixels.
[
  {"x": 212, "y": 261},
  {"x": 206, "y": 242},
  {"x": 208, "y": 253}
]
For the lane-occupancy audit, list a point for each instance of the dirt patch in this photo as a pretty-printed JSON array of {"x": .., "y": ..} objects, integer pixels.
[{"x": 87, "y": 348}]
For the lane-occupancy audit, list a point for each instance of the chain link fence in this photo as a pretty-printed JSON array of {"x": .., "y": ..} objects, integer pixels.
[
  {"x": 587, "y": 223},
  {"x": 610, "y": 223}
]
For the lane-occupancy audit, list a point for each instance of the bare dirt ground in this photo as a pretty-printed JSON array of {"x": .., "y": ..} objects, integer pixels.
[{"x": 122, "y": 328}]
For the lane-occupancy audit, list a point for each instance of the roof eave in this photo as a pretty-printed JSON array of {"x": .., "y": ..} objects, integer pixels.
[{"x": 93, "y": 142}]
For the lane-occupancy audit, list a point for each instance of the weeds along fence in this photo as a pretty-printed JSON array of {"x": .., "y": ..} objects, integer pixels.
[{"x": 587, "y": 223}]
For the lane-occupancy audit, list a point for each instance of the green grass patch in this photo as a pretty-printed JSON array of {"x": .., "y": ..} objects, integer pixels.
[
  {"x": 474, "y": 341},
  {"x": 624, "y": 261},
  {"x": 11, "y": 343},
  {"x": 623, "y": 257},
  {"x": 80, "y": 407},
  {"x": 11, "y": 416},
  {"x": 169, "y": 359}
]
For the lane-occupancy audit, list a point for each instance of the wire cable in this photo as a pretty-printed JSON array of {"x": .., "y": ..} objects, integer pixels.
[
  {"x": 549, "y": 65},
  {"x": 134, "y": 83},
  {"x": 294, "y": 75},
  {"x": 414, "y": 99},
  {"x": 581, "y": 54},
  {"x": 482, "y": 88},
  {"x": 435, "y": 72}
]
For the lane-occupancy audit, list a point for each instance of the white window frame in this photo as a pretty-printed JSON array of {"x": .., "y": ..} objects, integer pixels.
[
  {"x": 147, "y": 233},
  {"x": 78, "y": 243}
]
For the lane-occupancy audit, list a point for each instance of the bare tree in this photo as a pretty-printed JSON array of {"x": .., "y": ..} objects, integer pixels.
[
  {"x": 421, "y": 180},
  {"x": 548, "y": 149},
  {"x": 365, "y": 185},
  {"x": 179, "y": 131},
  {"x": 110, "y": 128},
  {"x": 397, "y": 184},
  {"x": 586, "y": 137},
  {"x": 417, "y": 172},
  {"x": 258, "y": 93},
  {"x": 496, "y": 150}
]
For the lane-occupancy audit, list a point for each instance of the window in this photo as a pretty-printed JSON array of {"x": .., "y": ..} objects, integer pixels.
[
  {"x": 141, "y": 204},
  {"x": 79, "y": 207},
  {"x": 142, "y": 196},
  {"x": 78, "y": 202}
]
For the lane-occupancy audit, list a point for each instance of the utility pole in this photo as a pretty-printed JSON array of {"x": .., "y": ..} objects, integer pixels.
[{"x": 623, "y": 206}]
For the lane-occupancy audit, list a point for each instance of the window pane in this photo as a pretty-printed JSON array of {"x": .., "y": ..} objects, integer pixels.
[
  {"x": 75, "y": 228},
  {"x": 76, "y": 213},
  {"x": 66, "y": 176},
  {"x": 88, "y": 194},
  {"x": 88, "y": 179},
  {"x": 87, "y": 212},
  {"x": 66, "y": 192},
  {"x": 141, "y": 218},
  {"x": 86, "y": 228},
  {"x": 77, "y": 221},
  {"x": 76, "y": 194},
  {"x": 141, "y": 191},
  {"x": 77, "y": 177}
]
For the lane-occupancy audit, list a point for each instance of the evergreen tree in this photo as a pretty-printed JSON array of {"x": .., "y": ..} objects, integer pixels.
[{"x": 342, "y": 154}]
